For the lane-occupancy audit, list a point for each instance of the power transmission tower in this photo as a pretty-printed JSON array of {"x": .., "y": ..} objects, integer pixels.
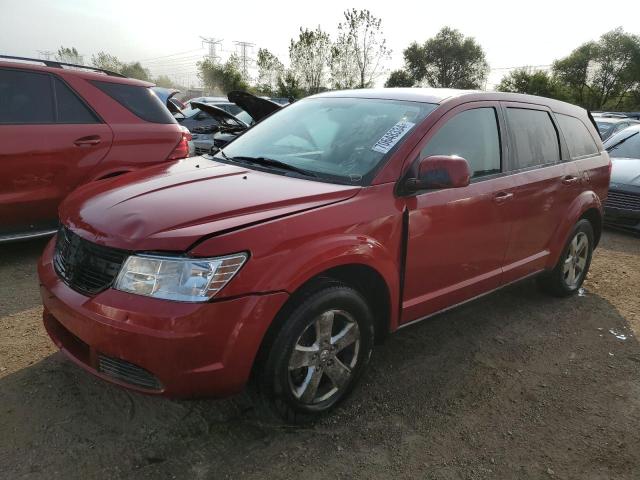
[
  {"x": 244, "y": 58},
  {"x": 213, "y": 43},
  {"x": 46, "y": 54}
]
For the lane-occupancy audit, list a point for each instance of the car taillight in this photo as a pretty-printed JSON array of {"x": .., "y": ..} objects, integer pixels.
[{"x": 182, "y": 148}]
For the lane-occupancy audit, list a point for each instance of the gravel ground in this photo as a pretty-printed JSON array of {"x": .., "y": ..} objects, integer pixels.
[{"x": 516, "y": 385}]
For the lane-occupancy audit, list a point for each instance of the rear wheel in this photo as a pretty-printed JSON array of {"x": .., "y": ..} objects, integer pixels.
[
  {"x": 319, "y": 354},
  {"x": 569, "y": 273}
]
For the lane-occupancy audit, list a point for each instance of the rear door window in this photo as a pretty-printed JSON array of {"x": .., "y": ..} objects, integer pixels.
[
  {"x": 141, "y": 101},
  {"x": 533, "y": 137},
  {"x": 577, "y": 136},
  {"x": 25, "y": 98},
  {"x": 70, "y": 108},
  {"x": 472, "y": 135}
]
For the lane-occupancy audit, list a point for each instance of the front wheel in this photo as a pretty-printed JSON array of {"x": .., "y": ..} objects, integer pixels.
[
  {"x": 319, "y": 354},
  {"x": 569, "y": 273}
]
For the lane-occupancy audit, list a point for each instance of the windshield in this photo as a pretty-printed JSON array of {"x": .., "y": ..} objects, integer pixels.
[
  {"x": 628, "y": 147},
  {"x": 339, "y": 139}
]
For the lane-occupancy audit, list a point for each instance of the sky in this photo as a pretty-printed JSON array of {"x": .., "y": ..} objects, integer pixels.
[{"x": 165, "y": 35}]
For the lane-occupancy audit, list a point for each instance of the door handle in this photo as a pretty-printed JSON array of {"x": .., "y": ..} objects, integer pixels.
[
  {"x": 90, "y": 140},
  {"x": 502, "y": 197},
  {"x": 569, "y": 180}
]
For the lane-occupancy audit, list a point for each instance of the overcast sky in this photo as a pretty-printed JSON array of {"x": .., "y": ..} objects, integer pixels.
[{"x": 511, "y": 34}]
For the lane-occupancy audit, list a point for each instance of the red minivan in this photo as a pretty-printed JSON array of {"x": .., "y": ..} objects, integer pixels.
[
  {"x": 63, "y": 125},
  {"x": 333, "y": 222}
]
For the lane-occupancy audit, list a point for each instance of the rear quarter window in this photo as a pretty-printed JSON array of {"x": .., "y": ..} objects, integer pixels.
[
  {"x": 577, "y": 136},
  {"x": 141, "y": 101},
  {"x": 533, "y": 137}
]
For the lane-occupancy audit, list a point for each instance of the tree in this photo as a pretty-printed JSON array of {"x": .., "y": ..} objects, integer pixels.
[
  {"x": 523, "y": 80},
  {"x": 359, "y": 51},
  {"x": 399, "y": 78},
  {"x": 447, "y": 60},
  {"x": 309, "y": 56},
  {"x": 600, "y": 74},
  {"x": 106, "y": 61},
  {"x": 69, "y": 55},
  {"x": 289, "y": 86},
  {"x": 135, "y": 70},
  {"x": 224, "y": 77},
  {"x": 165, "y": 81},
  {"x": 270, "y": 71}
]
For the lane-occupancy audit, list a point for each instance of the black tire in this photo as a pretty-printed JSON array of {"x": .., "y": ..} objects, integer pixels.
[
  {"x": 277, "y": 381},
  {"x": 556, "y": 282}
]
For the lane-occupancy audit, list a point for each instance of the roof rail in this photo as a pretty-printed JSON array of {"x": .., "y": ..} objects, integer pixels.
[{"x": 56, "y": 64}]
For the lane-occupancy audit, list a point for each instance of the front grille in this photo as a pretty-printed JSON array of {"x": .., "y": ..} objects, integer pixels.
[
  {"x": 127, "y": 372},
  {"x": 622, "y": 200},
  {"x": 86, "y": 267}
]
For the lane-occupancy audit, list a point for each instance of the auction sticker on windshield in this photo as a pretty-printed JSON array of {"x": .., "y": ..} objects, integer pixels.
[{"x": 389, "y": 139}]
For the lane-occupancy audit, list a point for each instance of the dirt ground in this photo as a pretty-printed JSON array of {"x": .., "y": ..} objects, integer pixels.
[{"x": 516, "y": 385}]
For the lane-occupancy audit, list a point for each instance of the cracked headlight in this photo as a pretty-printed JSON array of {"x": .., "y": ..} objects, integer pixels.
[{"x": 175, "y": 278}]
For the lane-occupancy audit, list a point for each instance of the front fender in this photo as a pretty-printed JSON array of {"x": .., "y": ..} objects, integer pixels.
[{"x": 585, "y": 201}]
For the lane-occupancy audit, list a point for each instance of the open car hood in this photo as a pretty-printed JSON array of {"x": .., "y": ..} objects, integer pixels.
[
  {"x": 257, "y": 107},
  {"x": 625, "y": 171},
  {"x": 219, "y": 114},
  {"x": 169, "y": 207}
]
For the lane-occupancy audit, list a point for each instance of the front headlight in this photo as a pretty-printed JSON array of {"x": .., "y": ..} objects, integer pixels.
[{"x": 174, "y": 278}]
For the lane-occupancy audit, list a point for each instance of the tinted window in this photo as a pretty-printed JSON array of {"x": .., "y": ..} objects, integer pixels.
[
  {"x": 473, "y": 135},
  {"x": 25, "y": 97},
  {"x": 578, "y": 138},
  {"x": 141, "y": 101},
  {"x": 70, "y": 108},
  {"x": 630, "y": 148},
  {"x": 533, "y": 137}
]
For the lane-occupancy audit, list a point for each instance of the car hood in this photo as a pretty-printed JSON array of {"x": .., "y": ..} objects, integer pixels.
[
  {"x": 219, "y": 114},
  {"x": 625, "y": 171},
  {"x": 257, "y": 107},
  {"x": 170, "y": 207}
]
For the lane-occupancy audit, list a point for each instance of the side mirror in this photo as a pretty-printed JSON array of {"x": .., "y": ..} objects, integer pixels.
[{"x": 440, "y": 171}]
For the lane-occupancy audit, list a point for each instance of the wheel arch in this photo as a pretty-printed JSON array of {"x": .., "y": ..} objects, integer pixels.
[{"x": 363, "y": 278}]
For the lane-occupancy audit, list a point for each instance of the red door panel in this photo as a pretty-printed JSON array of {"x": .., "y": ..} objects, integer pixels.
[
  {"x": 40, "y": 165},
  {"x": 456, "y": 246}
]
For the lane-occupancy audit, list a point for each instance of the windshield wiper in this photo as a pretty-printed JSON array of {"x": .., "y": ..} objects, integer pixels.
[
  {"x": 621, "y": 141},
  {"x": 270, "y": 162}
]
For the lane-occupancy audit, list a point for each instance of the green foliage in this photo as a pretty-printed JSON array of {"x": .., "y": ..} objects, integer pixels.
[
  {"x": 399, "y": 78},
  {"x": 106, "y": 61},
  {"x": 165, "y": 81},
  {"x": 357, "y": 54},
  {"x": 222, "y": 78},
  {"x": 135, "y": 70},
  {"x": 69, "y": 55},
  {"x": 448, "y": 60},
  {"x": 310, "y": 55},
  {"x": 289, "y": 87},
  {"x": 522, "y": 80},
  {"x": 602, "y": 74},
  {"x": 270, "y": 72}
]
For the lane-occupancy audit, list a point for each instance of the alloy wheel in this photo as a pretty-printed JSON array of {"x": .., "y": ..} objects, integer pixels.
[
  {"x": 324, "y": 357},
  {"x": 576, "y": 260}
]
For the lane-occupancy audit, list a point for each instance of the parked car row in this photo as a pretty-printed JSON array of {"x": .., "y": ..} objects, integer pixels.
[
  {"x": 303, "y": 234},
  {"x": 610, "y": 123}
]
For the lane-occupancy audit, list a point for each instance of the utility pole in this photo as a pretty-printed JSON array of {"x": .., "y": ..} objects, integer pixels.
[
  {"x": 244, "y": 58},
  {"x": 213, "y": 43}
]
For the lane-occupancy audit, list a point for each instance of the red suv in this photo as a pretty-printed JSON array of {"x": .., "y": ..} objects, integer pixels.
[
  {"x": 61, "y": 127},
  {"x": 337, "y": 220}
]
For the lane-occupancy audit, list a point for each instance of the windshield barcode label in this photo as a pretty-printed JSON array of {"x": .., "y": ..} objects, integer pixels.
[{"x": 389, "y": 139}]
